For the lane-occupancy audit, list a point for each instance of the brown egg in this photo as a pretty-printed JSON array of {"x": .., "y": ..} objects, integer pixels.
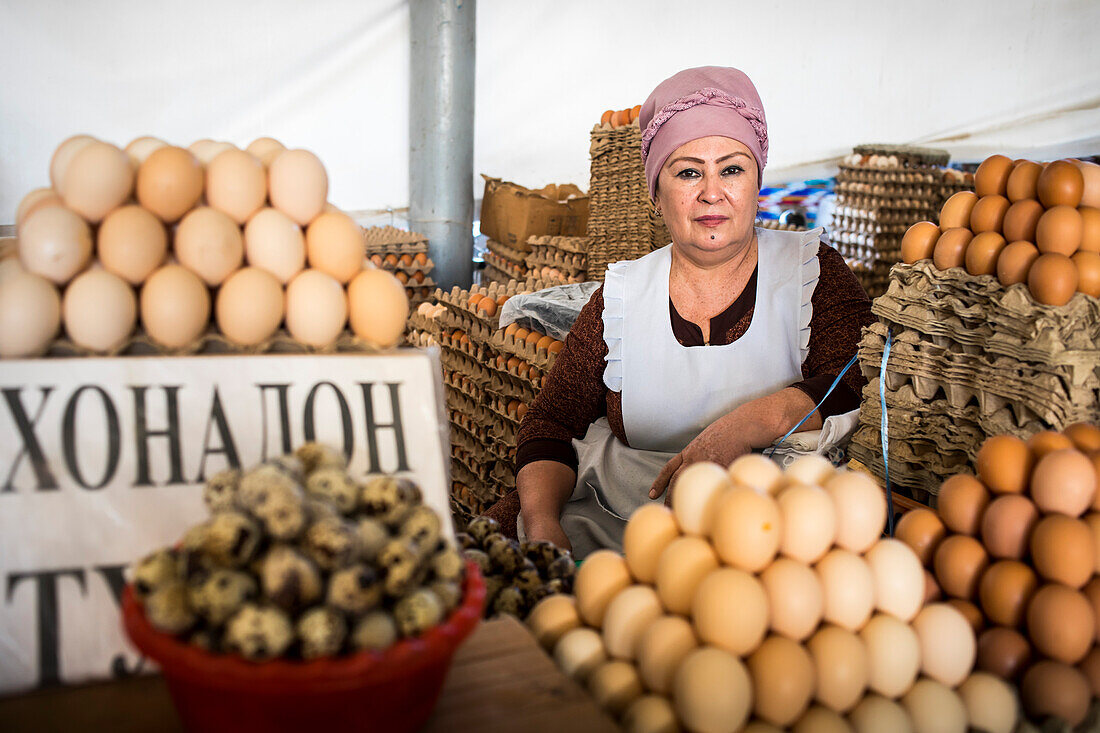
[
  {"x": 1015, "y": 262},
  {"x": 1064, "y": 481},
  {"x": 961, "y": 501},
  {"x": 1021, "y": 219},
  {"x": 783, "y": 680},
  {"x": 1004, "y": 464},
  {"x": 1047, "y": 441},
  {"x": 206, "y": 149},
  {"x": 533, "y": 338},
  {"x": 1090, "y": 229},
  {"x": 64, "y": 155},
  {"x": 265, "y": 149},
  {"x": 55, "y": 243},
  {"x": 298, "y": 185},
  {"x": 316, "y": 308},
  {"x": 1090, "y": 174},
  {"x": 1092, "y": 593},
  {"x": 30, "y": 314},
  {"x": 1007, "y": 524},
  {"x": 982, "y": 253},
  {"x": 1085, "y": 437},
  {"x": 959, "y": 563},
  {"x": 1090, "y": 667},
  {"x": 98, "y": 179},
  {"x": 923, "y": 531},
  {"x": 1003, "y": 652},
  {"x": 956, "y": 210},
  {"x": 1063, "y": 550},
  {"x": 236, "y": 184},
  {"x": 1060, "y": 184},
  {"x": 209, "y": 244},
  {"x": 1059, "y": 230},
  {"x": 991, "y": 178},
  {"x": 1052, "y": 279},
  {"x": 1061, "y": 623},
  {"x": 1053, "y": 689},
  {"x": 544, "y": 343},
  {"x": 951, "y": 247},
  {"x": 487, "y": 308},
  {"x": 1088, "y": 272},
  {"x": 377, "y": 308},
  {"x": 932, "y": 590},
  {"x": 988, "y": 214},
  {"x": 169, "y": 183},
  {"x": 99, "y": 310},
  {"x": 34, "y": 201},
  {"x": 131, "y": 243},
  {"x": 1021, "y": 184},
  {"x": 249, "y": 306},
  {"x": 335, "y": 245},
  {"x": 175, "y": 306},
  {"x": 1005, "y": 590},
  {"x": 919, "y": 242},
  {"x": 141, "y": 148},
  {"x": 274, "y": 242}
]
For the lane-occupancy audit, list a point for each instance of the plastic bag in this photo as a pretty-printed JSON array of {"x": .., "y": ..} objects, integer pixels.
[{"x": 551, "y": 311}]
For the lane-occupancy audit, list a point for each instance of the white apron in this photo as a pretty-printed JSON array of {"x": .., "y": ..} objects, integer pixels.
[{"x": 670, "y": 393}]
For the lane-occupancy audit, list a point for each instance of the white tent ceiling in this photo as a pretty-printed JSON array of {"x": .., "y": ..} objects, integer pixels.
[{"x": 1014, "y": 76}]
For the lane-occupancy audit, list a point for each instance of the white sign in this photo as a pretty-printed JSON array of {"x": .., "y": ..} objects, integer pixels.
[{"x": 103, "y": 460}]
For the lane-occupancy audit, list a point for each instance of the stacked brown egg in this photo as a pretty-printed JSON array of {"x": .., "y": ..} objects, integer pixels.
[
  {"x": 173, "y": 235},
  {"x": 619, "y": 118},
  {"x": 1025, "y": 222},
  {"x": 1016, "y": 549},
  {"x": 769, "y": 595}
]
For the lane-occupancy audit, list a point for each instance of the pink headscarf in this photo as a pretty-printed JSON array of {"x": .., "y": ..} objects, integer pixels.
[{"x": 695, "y": 103}]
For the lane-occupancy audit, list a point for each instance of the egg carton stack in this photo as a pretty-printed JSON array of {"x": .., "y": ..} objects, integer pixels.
[
  {"x": 425, "y": 325},
  {"x": 1013, "y": 549},
  {"x": 882, "y": 190},
  {"x": 774, "y": 224},
  {"x": 559, "y": 260},
  {"x": 504, "y": 263},
  {"x": 206, "y": 249},
  {"x": 405, "y": 254},
  {"x": 488, "y": 387},
  {"x": 989, "y": 337},
  {"x": 622, "y": 223},
  {"x": 771, "y": 596}
]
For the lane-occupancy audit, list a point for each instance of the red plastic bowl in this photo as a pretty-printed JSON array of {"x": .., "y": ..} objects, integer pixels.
[{"x": 394, "y": 690}]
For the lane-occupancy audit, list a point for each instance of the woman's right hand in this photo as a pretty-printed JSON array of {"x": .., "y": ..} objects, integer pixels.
[{"x": 548, "y": 529}]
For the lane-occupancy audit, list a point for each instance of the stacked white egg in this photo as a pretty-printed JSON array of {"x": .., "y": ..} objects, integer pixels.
[
  {"x": 174, "y": 236},
  {"x": 769, "y": 600}
]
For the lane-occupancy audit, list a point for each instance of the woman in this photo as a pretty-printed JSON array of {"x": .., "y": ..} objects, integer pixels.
[{"x": 709, "y": 348}]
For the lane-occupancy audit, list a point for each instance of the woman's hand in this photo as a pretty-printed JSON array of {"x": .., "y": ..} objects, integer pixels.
[
  {"x": 753, "y": 425},
  {"x": 722, "y": 442},
  {"x": 546, "y": 528}
]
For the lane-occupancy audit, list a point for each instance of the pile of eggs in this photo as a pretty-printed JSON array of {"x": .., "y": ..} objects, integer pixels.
[
  {"x": 173, "y": 236},
  {"x": 1017, "y": 550},
  {"x": 620, "y": 118},
  {"x": 769, "y": 595},
  {"x": 1025, "y": 222}
]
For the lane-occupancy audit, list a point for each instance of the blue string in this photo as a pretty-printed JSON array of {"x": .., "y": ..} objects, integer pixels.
[
  {"x": 885, "y": 433},
  {"x": 836, "y": 381}
]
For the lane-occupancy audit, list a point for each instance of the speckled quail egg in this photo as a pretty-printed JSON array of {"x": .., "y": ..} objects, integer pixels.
[
  {"x": 331, "y": 542},
  {"x": 484, "y": 564},
  {"x": 540, "y": 552},
  {"x": 154, "y": 570},
  {"x": 259, "y": 633},
  {"x": 423, "y": 527},
  {"x": 510, "y": 600},
  {"x": 315, "y": 456},
  {"x": 563, "y": 568},
  {"x": 168, "y": 608},
  {"x": 389, "y": 499},
  {"x": 450, "y": 593},
  {"x": 335, "y": 486},
  {"x": 465, "y": 541},
  {"x": 417, "y": 612},
  {"x": 448, "y": 564},
  {"x": 322, "y": 632},
  {"x": 374, "y": 632},
  {"x": 481, "y": 527},
  {"x": 231, "y": 539},
  {"x": 289, "y": 579},
  {"x": 373, "y": 536},
  {"x": 507, "y": 557},
  {"x": 221, "y": 594},
  {"x": 355, "y": 589},
  {"x": 220, "y": 491},
  {"x": 257, "y": 484}
]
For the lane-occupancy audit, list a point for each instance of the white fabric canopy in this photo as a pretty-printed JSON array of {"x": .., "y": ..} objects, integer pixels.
[{"x": 978, "y": 77}]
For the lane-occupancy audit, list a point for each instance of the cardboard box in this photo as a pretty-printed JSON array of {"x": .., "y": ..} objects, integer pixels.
[{"x": 511, "y": 213}]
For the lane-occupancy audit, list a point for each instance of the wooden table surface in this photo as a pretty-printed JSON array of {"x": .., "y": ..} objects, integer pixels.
[{"x": 500, "y": 680}]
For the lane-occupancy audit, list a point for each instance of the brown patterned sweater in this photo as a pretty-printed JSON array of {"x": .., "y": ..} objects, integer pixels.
[{"x": 574, "y": 394}]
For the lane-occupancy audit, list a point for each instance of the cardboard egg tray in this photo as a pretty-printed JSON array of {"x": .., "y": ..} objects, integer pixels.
[
  {"x": 502, "y": 251},
  {"x": 387, "y": 239},
  {"x": 508, "y": 344},
  {"x": 420, "y": 339},
  {"x": 905, "y": 154},
  {"x": 570, "y": 264},
  {"x": 506, "y": 268},
  {"x": 458, "y": 301},
  {"x": 576, "y": 245}
]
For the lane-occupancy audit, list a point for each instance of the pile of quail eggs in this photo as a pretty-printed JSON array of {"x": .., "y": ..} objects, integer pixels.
[{"x": 299, "y": 560}]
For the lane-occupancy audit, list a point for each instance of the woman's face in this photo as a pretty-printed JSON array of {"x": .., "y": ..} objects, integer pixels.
[{"x": 707, "y": 193}]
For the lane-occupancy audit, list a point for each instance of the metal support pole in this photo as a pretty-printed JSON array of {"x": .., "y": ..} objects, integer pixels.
[{"x": 441, "y": 134}]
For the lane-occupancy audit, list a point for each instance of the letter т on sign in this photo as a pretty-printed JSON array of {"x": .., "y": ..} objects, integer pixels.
[{"x": 103, "y": 461}]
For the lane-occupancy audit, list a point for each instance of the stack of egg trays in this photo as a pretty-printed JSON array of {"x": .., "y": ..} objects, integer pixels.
[
  {"x": 503, "y": 263},
  {"x": 970, "y": 359},
  {"x": 881, "y": 191},
  {"x": 567, "y": 255},
  {"x": 622, "y": 222},
  {"x": 386, "y": 241}
]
